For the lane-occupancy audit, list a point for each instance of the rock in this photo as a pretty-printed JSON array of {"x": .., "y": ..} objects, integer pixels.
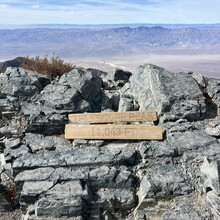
[
  {"x": 66, "y": 190},
  {"x": 213, "y": 90},
  {"x": 76, "y": 91},
  {"x": 164, "y": 181},
  {"x": 2, "y": 160},
  {"x": 77, "y": 157},
  {"x": 146, "y": 188},
  {"x": 210, "y": 176},
  {"x": 40, "y": 174},
  {"x": 213, "y": 127},
  {"x": 159, "y": 186},
  {"x": 104, "y": 179},
  {"x": 84, "y": 82},
  {"x": 190, "y": 140},
  {"x": 57, "y": 208},
  {"x": 103, "y": 176},
  {"x": 198, "y": 155},
  {"x": 12, "y": 143},
  {"x": 110, "y": 100},
  {"x": 214, "y": 202},
  {"x": 86, "y": 143},
  {"x": 199, "y": 79},
  {"x": 125, "y": 104},
  {"x": 173, "y": 95},
  {"x": 181, "y": 215},
  {"x": 180, "y": 207},
  {"x": 121, "y": 76},
  {"x": 157, "y": 149},
  {"x": 22, "y": 84},
  {"x": 38, "y": 142},
  {"x": 111, "y": 199},
  {"x": 33, "y": 189},
  {"x": 11, "y": 154},
  {"x": 63, "y": 97}
]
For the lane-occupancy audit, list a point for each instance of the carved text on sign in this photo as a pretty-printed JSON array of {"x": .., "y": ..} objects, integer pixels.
[
  {"x": 106, "y": 117},
  {"x": 141, "y": 132}
]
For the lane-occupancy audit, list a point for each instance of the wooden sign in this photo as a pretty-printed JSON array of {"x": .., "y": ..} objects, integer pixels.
[
  {"x": 107, "y": 117},
  {"x": 109, "y": 131}
]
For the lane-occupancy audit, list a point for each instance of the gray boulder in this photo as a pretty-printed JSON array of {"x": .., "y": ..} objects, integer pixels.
[
  {"x": 173, "y": 95},
  {"x": 78, "y": 84},
  {"x": 17, "y": 86}
]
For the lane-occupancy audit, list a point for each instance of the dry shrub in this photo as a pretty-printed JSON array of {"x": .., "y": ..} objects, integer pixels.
[
  {"x": 53, "y": 66},
  {"x": 10, "y": 190}
]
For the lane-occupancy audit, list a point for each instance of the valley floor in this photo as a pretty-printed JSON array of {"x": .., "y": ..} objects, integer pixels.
[{"x": 205, "y": 64}]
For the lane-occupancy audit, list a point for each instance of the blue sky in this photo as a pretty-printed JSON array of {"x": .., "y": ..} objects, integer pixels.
[{"x": 108, "y": 12}]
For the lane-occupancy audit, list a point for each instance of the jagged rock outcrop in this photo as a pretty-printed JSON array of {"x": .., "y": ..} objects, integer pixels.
[
  {"x": 173, "y": 95},
  {"x": 47, "y": 176}
]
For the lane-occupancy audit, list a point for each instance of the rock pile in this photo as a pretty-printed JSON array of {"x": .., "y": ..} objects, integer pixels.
[{"x": 49, "y": 177}]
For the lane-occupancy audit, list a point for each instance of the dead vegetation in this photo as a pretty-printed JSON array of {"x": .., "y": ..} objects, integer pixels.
[
  {"x": 10, "y": 190},
  {"x": 50, "y": 66}
]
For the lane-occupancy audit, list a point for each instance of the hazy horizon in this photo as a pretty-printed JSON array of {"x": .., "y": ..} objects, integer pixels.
[
  {"x": 101, "y": 26},
  {"x": 109, "y": 12}
]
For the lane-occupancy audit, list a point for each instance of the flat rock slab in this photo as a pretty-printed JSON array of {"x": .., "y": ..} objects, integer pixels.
[
  {"x": 102, "y": 176},
  {"x": 86, "y": 156},
  {"x": 58, "y": 208}
]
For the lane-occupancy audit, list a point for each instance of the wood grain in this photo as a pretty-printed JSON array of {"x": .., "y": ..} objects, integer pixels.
[
  {"x": 107, "y": 117},
  {"x": 109, "y": 131}
]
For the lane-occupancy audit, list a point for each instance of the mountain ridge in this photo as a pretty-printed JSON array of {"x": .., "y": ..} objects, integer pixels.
[
  {"x": 92, "y": 26},
  {"x": 104, "y": 41}
]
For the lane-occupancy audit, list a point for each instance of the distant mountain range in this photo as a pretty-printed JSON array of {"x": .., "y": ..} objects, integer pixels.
[
  {"x": 105, "y": 41},
  {"x": 98, "y": 26}
]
